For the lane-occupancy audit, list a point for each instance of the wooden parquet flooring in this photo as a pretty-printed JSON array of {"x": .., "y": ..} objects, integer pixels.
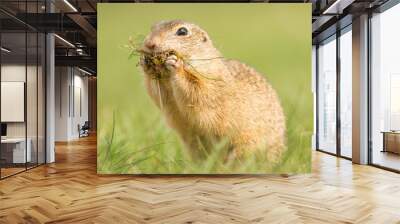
[{"x": 70, "y": 191}]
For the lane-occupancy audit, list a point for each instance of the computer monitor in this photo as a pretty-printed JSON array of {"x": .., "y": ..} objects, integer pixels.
[{"x": 3, "y": 129}]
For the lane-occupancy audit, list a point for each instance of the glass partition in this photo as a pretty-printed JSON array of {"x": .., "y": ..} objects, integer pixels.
[
  {"x": 14, "y": 151},
  {"x": 23, "y": 91}
]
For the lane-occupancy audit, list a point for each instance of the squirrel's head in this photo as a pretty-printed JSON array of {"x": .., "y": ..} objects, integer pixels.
[{"x": 187, "y": 39}]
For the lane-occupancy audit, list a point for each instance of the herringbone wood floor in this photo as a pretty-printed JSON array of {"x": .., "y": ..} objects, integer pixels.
[{"x": 70, "y": 191}]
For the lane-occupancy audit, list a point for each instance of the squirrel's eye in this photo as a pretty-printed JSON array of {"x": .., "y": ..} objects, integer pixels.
[{"x": 182, "y": 31}]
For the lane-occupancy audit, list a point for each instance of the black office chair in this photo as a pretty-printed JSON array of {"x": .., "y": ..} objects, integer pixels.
[{"x": 84, "y": 130}]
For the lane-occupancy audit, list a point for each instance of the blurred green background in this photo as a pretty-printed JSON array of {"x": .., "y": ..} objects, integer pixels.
[{"x": 133, "y": 138}]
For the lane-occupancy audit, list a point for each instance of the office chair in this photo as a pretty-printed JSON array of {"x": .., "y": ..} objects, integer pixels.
[{"x": 84, "y": 130}]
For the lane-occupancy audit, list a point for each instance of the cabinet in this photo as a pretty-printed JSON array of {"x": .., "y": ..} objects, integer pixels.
[{"x": 391, "y": 142}]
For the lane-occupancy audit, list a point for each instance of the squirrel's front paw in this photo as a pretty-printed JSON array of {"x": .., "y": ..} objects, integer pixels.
[{"x": 173, "y": 63}]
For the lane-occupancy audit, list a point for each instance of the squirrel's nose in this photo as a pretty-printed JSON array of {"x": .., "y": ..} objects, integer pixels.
[{"x": 150, "y": 45}]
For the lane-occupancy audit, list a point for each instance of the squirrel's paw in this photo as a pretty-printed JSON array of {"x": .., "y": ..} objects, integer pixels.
[{"x": 173, "y": 63}]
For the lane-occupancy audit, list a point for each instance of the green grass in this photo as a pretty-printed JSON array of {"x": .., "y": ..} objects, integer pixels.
[
  {"x": 133, "y": 136},
  {"x": 156, "y": 149}
]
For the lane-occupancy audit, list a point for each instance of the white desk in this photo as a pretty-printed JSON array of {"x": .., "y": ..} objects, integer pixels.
[{"x": 19, "y": 155}]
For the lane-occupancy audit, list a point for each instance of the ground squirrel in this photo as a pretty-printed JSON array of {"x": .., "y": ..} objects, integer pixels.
[{"x": 207, "y": 98}]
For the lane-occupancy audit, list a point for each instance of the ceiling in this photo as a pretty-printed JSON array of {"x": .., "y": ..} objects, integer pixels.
[{"x": 76, "y": 22}]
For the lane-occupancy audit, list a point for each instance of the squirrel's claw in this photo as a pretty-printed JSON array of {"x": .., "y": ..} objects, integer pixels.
[{"x": 173, "y": 63}]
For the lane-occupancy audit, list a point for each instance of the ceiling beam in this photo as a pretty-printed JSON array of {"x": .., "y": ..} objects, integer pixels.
[
  {"x": 337, "y": 6},
  {"x": 320, "y": 22},
  {"x": 83, "y": 61},
  {"x": 86, "y": 26}
]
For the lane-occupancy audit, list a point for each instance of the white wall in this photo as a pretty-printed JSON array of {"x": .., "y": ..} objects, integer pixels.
[
  {"x": 13, "y": 101},
  {"x": 13, "y": 72},
  {"x": 80, "y": 110},
  {"x": 33, "y": 127},
  {"x": 16, "y": 73},
  {"x": 71, "y": 102},
  {"x": 62, "y": 82}
]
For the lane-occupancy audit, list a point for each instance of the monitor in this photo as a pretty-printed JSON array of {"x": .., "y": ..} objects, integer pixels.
[{"x": 3, "y": 129}]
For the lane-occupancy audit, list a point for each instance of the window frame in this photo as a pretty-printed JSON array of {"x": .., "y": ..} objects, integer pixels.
[{"x": 336, "y": 35}]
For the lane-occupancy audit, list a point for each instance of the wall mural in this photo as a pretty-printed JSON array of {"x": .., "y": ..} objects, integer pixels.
[{"x": 204, "y": 88}]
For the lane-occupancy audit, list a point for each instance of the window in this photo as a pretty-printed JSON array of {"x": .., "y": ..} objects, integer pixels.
[
  {"x": 385, "y": 89},
  {"x": 333, "y": 137},
  {"x": 394, "y": 102},
  {"x": 327, "y": 95},
  {"x": 346, "y": 92}
]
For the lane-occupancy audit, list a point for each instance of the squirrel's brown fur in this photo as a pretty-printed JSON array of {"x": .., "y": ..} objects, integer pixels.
[{"x": 207, "y": 98}]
